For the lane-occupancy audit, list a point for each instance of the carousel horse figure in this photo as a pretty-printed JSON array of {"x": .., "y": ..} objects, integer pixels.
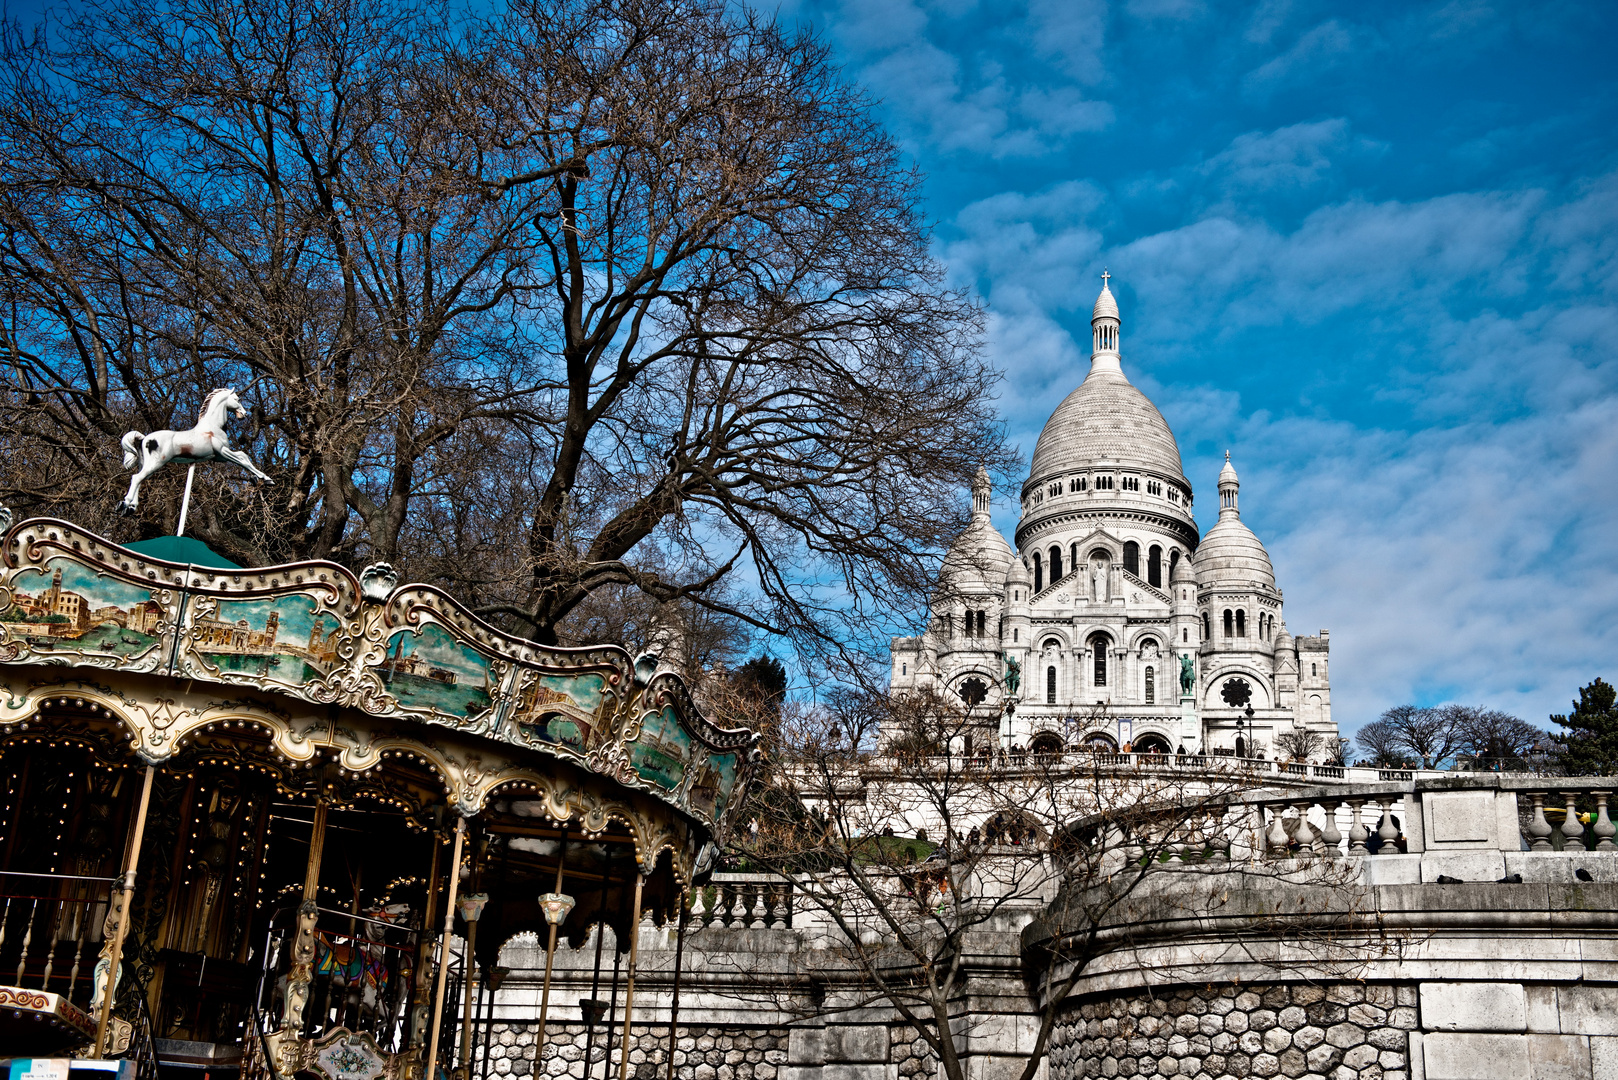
[{"x": 205, "y": 442}]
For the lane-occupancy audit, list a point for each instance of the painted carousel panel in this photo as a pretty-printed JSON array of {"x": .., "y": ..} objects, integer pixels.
[
  {"x": 428, "y": 669},
  {"x": 714, "y": 785},
  {"x": 562, "y": 711},
  {"x": 286, "y": 639},
  {"x": 663, "y": 752},
  {"x": 67, "y": 607}
]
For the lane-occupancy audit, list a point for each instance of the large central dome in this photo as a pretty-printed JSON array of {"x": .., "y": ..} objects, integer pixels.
[{"x": 1106, "y": 418}]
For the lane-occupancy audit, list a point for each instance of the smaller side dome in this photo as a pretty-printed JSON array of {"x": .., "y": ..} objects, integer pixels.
[
  {"x": 980, "y": 556},
  {"x": 1017, "y": 573},
  {"x": 1184, "y": 573},
  {"x": 1229, "y": 552}
]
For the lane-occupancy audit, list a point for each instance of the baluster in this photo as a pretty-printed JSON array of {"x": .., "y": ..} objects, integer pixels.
[
  {"x": 27, "y": 936},
  {"x": 738, "y": 907},
  {"x": 1305, "y": 834},
  {"x": 1358, "y": 834},
  {"x": 1603, "y": 827},
  {"x": 78, "y": 950},
  {"x": 1572, "y": 827},
  {"x": 4, "y": 919},
  {"x": 783, "y": 916},
  {"x": 1331, "y": 836},
  {"x": 755, "y": 903},
  {"x": 1276, "y": 838},
  {"x": 1387, "y": 831},
  {"x": 1539, "y": 830},
  {"x": 50, "y": 945}
]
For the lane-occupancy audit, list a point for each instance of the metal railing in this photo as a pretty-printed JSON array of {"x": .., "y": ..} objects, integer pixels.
[{"x": 51, "y": 929}]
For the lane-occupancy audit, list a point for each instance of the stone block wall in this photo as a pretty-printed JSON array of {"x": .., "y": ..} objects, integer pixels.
[
  {"x": 700, "y": 1052},
  {"x": 1338, "y": 1031}
]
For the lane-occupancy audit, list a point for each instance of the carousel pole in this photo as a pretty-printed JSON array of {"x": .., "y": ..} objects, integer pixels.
[
  {"x": 472, "y": 914},
  {"x": 302, "y": 974},
  {"x": 629, "y": 982},
  {"x": 419, "y": 994},
  {"x": 595, "y": 983},
  {"x": 127, "y": 888},
  {"x": 556, "y": 907},
  {"x": 431, "y": 1064},
  {"x": 679, "y": 954}
]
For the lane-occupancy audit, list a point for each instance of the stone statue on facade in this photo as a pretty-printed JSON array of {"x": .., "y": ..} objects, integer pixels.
[
  {"x": 1098, "y": 576},
  {"x": 1013, "y": 674},
  {"x": 1188, "y": 674}
]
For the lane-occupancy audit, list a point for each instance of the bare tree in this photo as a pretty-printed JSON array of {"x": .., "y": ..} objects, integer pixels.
[
  {"x": 909, "y": 855},
  {"x": 642, "y": 287},
  {"x": 1300, "y": 744},
  {"x": 1495, "y": 740},
  {"x": 1379, "y": 741}
]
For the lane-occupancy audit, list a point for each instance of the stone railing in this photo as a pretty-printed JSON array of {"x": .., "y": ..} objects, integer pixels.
[
  {"x": 1083, "y": 761},
  {"x": 743, "y": 902}
]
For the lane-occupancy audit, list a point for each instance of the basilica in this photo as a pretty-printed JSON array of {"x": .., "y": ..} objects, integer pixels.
[{"x": 1112, "y": 623}]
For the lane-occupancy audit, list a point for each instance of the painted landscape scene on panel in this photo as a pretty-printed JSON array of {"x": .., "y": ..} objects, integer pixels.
[
  {"x": 285, "y": 639},
  {"x": 428, "y": 669},
  {"x": 70, "y": 607},
  {"x": 561, "y": 710}
]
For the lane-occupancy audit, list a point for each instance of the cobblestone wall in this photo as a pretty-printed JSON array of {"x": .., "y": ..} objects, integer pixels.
[
  {"x": 913, "y": 1054},
  {"x": 700, "y": 1053},
  {"x": 1343, "y": 1031}
]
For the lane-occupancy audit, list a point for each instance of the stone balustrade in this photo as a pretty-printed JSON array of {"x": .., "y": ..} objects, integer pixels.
[{"x": 743, "y": 902}]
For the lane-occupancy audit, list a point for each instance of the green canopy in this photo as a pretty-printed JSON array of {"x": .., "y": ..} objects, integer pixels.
[{"x": 183, "y": 549}]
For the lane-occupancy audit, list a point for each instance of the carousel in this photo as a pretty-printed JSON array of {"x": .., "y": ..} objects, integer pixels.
[{"x": 282, "y": 820}]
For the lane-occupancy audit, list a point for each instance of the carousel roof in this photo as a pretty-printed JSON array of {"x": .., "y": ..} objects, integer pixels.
[{"x": 338, "y": 660}]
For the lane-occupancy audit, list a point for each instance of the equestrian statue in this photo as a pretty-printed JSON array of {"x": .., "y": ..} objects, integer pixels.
[{"x": 207, "y": 441}]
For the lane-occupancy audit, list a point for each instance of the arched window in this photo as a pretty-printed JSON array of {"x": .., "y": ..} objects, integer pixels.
[
  {"x": 1050, "y": 686},
  {"x": 1073, "y": 558},
  {"x": 1056, "y": 565},
  {"x": 983, "y": 624},
  {"x": 1241, "y": 623},
  {"x": 1046, "y": 742},
  {"x": 1174, "y": 560},
  {"x": 1230, "y": 624},
  {"x": 1154, "y": 567},
  {"x": 1313, "y": 670},
  {"x": 1132, "y": 557},
  {"x": 1207, "y": 629},
  {"x": 1039, "y": 573},
  {"x": 1098, "y": 646},
  {"x": 1151, "y": 685}
]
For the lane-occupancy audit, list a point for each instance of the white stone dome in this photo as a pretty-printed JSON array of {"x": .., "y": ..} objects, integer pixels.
[
  {"x": 979, "y": 558},
  {"x": 1230, "y": 555},
  {"x": 1106, "y": 418}
]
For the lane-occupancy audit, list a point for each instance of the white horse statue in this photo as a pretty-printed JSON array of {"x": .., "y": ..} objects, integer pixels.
[{"x": 205, "y": 442}]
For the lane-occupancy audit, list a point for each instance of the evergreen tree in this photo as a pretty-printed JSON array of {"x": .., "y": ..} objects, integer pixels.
[{"x": 1590, "y": 742}]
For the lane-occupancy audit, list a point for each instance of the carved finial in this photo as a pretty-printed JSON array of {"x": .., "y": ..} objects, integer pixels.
[
  {"x": 378, "y": 581},
  {"x": 646, "y": 667},
  {"x": 1104, "y": 277}
]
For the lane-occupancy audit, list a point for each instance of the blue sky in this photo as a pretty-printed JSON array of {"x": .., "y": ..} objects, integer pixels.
[{"x": 1372, "y": 249}]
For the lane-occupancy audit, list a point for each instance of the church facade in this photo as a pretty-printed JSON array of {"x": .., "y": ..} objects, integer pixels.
[{"x": 1113, "y": 622}]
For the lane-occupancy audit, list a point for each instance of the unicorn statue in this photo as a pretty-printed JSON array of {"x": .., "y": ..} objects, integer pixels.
[{"x": 205, "y": 442}]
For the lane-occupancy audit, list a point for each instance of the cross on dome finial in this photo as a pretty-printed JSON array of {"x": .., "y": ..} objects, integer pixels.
[
  {"x": 1227, "y": 455},
  {"x": 1104, "y": 277}
]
